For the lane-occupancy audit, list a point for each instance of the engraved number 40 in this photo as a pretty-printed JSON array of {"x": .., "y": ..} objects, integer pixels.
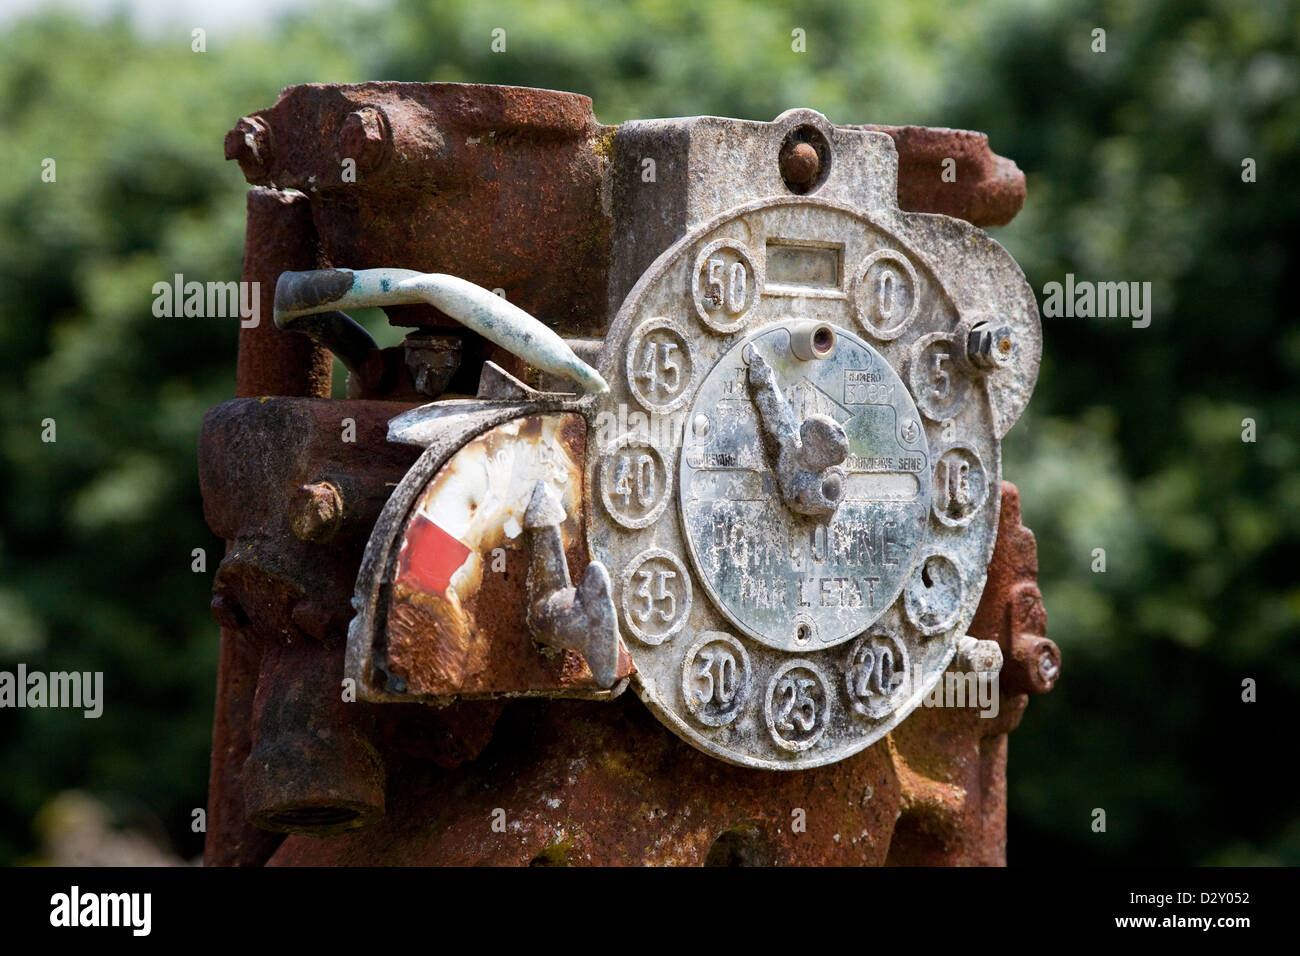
[
  {"x": 717, "y": 668},
  {"x": 665, "y": 375},
  {"x": 732, "y": 294},
  {"x": 652, "y": 599},
  {"x": 635, "y": 477},
  {"x": 797, "y": 706}
]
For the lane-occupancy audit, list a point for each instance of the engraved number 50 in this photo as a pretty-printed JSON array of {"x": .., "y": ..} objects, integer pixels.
[{"x": 733, "y": 295}]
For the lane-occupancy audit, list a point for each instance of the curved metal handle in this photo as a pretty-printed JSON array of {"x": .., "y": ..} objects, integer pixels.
[{"x": 308, "y": 302}]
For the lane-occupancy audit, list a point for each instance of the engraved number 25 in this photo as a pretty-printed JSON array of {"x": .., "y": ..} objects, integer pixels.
[{"x": 797, "y": 707}]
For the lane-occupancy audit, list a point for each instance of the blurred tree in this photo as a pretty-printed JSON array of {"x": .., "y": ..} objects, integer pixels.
[{"x": 1132, "y": 444}]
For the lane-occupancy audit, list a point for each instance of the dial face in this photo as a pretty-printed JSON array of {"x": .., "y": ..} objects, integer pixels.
[
  {"x": 789, "y": 580},
  {"x": 795, "y": 482}
]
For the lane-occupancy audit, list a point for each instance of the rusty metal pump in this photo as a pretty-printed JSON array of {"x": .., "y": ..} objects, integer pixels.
[{"x": 708, "y": 410}]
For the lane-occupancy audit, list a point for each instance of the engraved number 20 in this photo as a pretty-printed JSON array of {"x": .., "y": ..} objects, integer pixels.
[
  {"x": 717, "y": 668},
  {"x": 875, "y": 673},
  {"x": 797, "y": 706},
  {"x": 736, "y": 287}
]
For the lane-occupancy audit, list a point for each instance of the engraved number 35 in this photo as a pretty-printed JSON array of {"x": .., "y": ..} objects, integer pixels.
[{"x": 647, "y": 578}]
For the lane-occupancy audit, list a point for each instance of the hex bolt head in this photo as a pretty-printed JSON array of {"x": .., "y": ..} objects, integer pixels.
[
  {"x": 227, "y": 612},
  {"x": 364, "y": 138},
  {"x": 982, "y": 657},
  {"x": 800, "y": 164},
  {"x": 249, "y": 143},
  {"x": 990, "y": 347},
  {"x": 316, "y": 511}
]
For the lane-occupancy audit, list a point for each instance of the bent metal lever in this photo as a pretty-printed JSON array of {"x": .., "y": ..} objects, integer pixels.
[{"x": 309, "y": 302}]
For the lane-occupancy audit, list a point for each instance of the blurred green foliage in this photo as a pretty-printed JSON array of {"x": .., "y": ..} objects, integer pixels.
[{"x": 1132, "y": 443}]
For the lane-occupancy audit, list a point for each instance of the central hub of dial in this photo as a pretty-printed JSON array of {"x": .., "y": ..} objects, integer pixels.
[{"x": 759, "y": 426}]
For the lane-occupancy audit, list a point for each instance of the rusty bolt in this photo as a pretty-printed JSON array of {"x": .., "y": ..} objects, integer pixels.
[
  {"x": 314, "y": 620},
  {"x": 800, "y": 164},
  {"x": 989, "y": 347},
  {"x": 1034, "y": 666},
  {"x": 364, "y": 138},
  {"x": 227, "y": 612},
  {"x": 316, "y": 511},
  {"x": 249, "y": 142}
]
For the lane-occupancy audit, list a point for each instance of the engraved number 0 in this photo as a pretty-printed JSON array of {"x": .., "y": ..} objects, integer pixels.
[{"x": 885, "y": 293}]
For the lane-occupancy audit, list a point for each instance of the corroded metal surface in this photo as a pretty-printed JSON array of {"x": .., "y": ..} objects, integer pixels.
[
  {"x": 521, "y": 190},
  {"x": 444, "y": 612},
  {"x": 1019, "y": 621},
  {"x": 953, "y": 172},
  {"x": 571, "y": 783},
  {"x": 496, "y": 184}
]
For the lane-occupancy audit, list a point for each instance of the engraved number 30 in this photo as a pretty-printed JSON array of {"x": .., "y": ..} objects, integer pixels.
[{"x": 717, "y": 668}]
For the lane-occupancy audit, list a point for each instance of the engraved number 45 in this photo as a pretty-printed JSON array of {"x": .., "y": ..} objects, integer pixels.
[
  {"x": 665, "y": 374},
  {"x": 647, "y": 578}
]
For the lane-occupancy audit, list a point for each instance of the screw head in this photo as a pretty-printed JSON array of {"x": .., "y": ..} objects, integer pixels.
[
  {"x": 316, "y": 512},
  {"x": 249, "y": 143},
  {"x": 800, "y": 164},
  {"x": 990, "y": 347},
  {"x": 364, "y": 138}
]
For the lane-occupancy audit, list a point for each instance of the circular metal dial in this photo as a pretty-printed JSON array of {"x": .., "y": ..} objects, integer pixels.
[
  {"x": 794, "y": 484},
  {"x": 789, "y": 580}
]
